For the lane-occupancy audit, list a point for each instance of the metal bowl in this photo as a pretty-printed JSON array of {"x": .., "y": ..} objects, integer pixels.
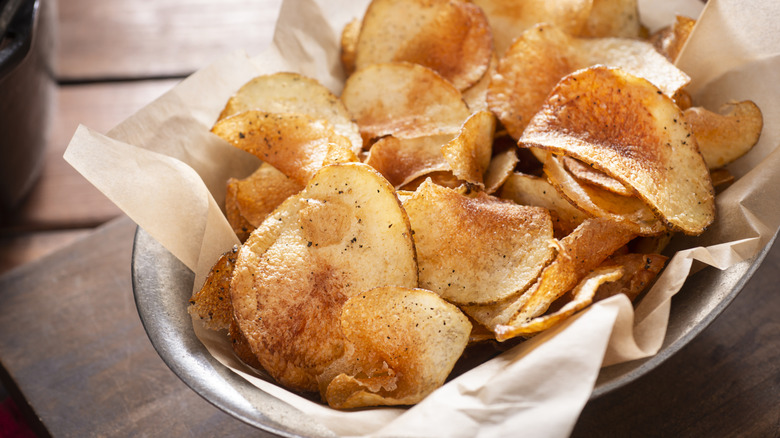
[{"x": 162, "y": 287}]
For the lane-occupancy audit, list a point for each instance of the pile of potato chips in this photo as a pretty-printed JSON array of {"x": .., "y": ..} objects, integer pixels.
[{"x": 489, "y": 169}]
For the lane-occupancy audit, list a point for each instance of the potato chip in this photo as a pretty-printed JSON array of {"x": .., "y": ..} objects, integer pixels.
[
  {"x": 402, "y": 160},
  {"x": 629, "y": 211},
  {"x": 639, "y": 272},
  {"x": 510, "y": 18},
  {"x": 451, "y": 37},
  {"x": 295, "y": 144},
  {"x": 212, "y": 302},
  {"x": 241, "y": 346},
  {"x": 581, "y": 297},
  {"x": 721, "y": 179},
  {"x": 403, "y": 100},
  {"x": 469, "y": 153},
  {"x": 500, "y": 168},
  {"x": 440, "y": 178},
  {"x": 344, "y": 234},
  {"x": 476, "y": 95},
  {"x": 476, "y": 249},
  {"x": 589, "y": 175},
  {"x": 722, "y": 138},
  {"x": 349, "y": 39},
  {"x": 295, "y": 94},
  {"x": 670, "y": 40},
  {"x": 409, "y": 340},
  {"x": 627, "y": 128},
  {"x": 250, "y": 200},
  {"x": 544, "y": 54},
  {"x": 579, "y": 253},
  {"x": 613, "y": 18},
  {"x": 532, "y": 190}
]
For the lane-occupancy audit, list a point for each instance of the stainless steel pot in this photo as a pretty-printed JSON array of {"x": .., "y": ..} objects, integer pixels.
[{"x": 27, "y": 91}]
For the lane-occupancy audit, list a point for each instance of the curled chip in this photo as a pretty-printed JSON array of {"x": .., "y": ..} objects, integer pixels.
[
  {"x": 212, "y": 302},
  {"x": 403, "y": 100},
  {"x": 295, "y": 94},
  {"x": 579, "y": 298},
  {"x": 451, "y": 37},
  {"x": 250, "y": 200},
  {"x": 407, "y": 340},
  {"x": 537, "y": 191},
  {"x": 591, "y": 176},
  {"x": 544, "y": 54},
  {"x": 627, "y": 128},
  {"x": 402, "y": 160},
  {"x": 477, "y": 249},
  {"x": 469, "y": 153},
  {"x": 629, "y": 211},
  {"x": 295, "y": 144},
  {"x": 344, "y": 234},
  {"x": 670, "y": 40},
  {"x": 723, "y": 138}
]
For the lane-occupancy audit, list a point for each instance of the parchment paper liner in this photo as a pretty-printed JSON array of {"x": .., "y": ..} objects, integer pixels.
[{"x": 165, "y": 170}]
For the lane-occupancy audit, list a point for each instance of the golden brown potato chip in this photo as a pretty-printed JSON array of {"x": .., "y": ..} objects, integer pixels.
[
  {"x": 241, "y": 346},
  {"x": 402, "y": 160},
  {"x": 581, "y": 297},
  {"x": 476, "y": 249},
  {"x": 627, "y": 128},
  {"x": 295, "y": 94},
  {"x": 613, "y": 18},
  {"x": 403, "y": 100},
  {"x": 440, "y": 178},
  {"x": 639, "y": 271},
  {"x": 629, "y": 211},
  {"x": 532, "y": 190},
  {"x": 239, "y": 223},
  {"x": 544, "y": 54},
  {"x": 408, "y": 340},
  {"x": 579, "y": 253},
  {"x": 510, "y": 18},
  {"x": 500, "y": 168},
  {"x": 722, "y": 138},
  {"x": 721, "y": 179},
  {"x": 589, "y": 175},
  {"x": 295, "y": 144},
  {"x": 212, "y": 302},
  {"x": 451, "y": 37},
  {"x": 670, "y": 40},
  {"x": 469, "y": 153},
  {"x": 250, "y": 200},
  {"x": 349, "y": 39},
  {"x": 476, "y": 95},
  {"x": 345, "y": 233}
]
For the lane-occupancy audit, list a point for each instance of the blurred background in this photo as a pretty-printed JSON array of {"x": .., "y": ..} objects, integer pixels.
[
  {"x": 104, "y": 59},
  {"x": 90, "y": 62}
]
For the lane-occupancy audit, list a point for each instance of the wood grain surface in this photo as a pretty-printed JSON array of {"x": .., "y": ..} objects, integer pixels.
[{"x": 119, "y": 39}]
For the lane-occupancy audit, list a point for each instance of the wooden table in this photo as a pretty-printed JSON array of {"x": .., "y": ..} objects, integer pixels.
[{"x": 73, "y": 351}]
